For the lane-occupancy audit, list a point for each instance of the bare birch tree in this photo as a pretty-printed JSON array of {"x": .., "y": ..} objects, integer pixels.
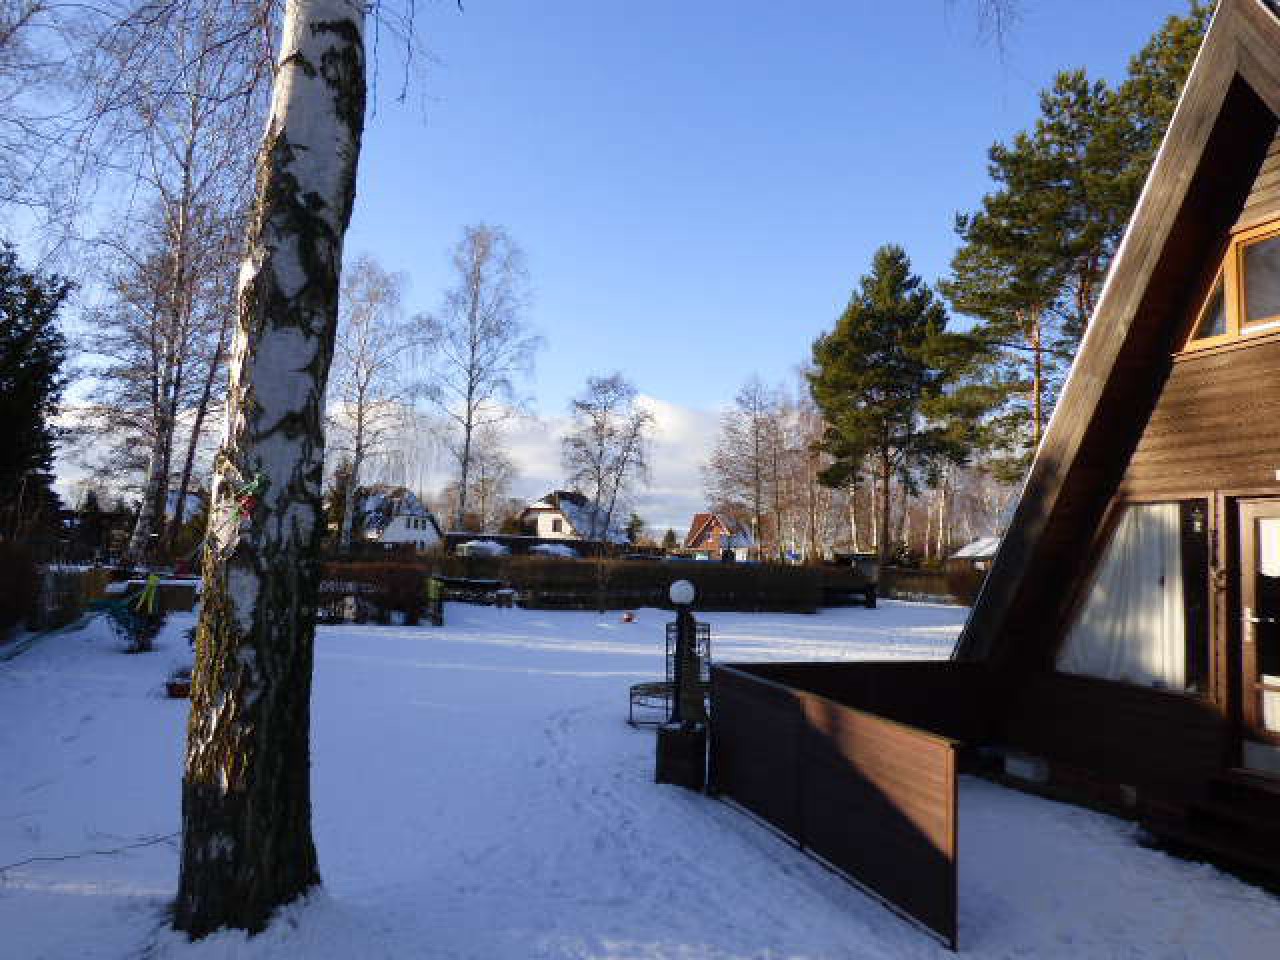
[
  {"x": 177, "y": 96},
  {"x": 247, "y": 846},
  {"x": 480, "y": 344},
  {"x": 606, "y": 449},
  {"x": 367, "y": 393},
  {"x": 740, "y": 474}
]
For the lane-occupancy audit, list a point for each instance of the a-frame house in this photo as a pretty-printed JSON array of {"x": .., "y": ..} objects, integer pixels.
[
  {"x": 1132, "y": 613},
  {"x": 1125, "y": 648}
]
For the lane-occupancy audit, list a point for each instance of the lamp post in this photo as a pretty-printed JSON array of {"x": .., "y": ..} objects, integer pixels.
[{"x": 682, "y": 741}]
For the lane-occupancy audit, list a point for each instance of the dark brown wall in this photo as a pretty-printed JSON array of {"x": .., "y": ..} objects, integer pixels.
[
  {"x": 1213, "y": 427},
  {"x": 1264, "y": 199},
  {"x": 1166, "y": 744}
]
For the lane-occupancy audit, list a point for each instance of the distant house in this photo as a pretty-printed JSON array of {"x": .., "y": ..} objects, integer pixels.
[
  {"x": 566, "y": 515},
  {"x": 710, "y": 534},
  {"x": 393, "y": 516},
  {"x": 975, "y": 556}
]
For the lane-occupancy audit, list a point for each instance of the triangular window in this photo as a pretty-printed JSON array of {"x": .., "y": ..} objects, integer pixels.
[{"x": 1213, "y": 318}]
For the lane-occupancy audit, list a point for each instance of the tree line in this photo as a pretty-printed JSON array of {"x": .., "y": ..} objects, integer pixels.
[{"x": 911, "y": 431}]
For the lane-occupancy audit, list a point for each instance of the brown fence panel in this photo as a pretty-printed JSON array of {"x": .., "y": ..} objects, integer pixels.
[
  {"x": 874, "y": 798},
  {"x": 756, "y": 753}
]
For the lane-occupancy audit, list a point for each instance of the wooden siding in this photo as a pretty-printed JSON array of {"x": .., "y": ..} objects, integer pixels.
[
  {"x": 874, "y": 798},
  {"x": 1166, "y": 744},
  {"x": 1213, "y": 425},
  {"x": 1263, "y": 202}
]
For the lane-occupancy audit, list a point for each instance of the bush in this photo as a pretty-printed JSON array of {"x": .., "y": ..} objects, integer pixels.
[
  {"x": 587, "y": 584},
  {"x": 137, "y": 628},
  {"x": 622, "y": 584},
  {"x": 386, "y": 587}
]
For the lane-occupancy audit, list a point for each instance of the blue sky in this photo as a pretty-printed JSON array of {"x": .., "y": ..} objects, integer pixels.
[{"x": 698, "y": 185}]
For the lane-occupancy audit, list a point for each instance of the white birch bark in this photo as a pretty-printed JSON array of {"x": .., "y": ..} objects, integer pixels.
[{"x": 247, "y": 845}]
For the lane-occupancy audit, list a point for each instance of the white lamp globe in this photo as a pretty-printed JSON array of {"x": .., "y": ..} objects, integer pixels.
[{"x": 681, "y": 593}]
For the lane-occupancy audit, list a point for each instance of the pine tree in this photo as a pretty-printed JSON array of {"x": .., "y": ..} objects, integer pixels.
[
  {"x": 891, "y": 384},
  {"x": 1033, "y": 258},
  {"x": 634, "y": 528},
  {"x": 32, "y": 353}
]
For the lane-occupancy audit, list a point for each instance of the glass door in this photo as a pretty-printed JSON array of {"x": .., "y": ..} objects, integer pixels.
[{"x": 1260, "y": 633}]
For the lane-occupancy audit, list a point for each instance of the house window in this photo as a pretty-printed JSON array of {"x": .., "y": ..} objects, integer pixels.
[
  {"x": 556, "y": 525},
  {"x": 1245, "y": 296},
  {"x": 1260, "y": 277},
  {"x": 1213, "y": 316},
  {"x": 1144, "y": 616}
]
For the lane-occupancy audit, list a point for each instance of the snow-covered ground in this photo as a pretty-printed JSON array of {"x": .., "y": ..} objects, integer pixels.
[{"x": 478, "y": 795}]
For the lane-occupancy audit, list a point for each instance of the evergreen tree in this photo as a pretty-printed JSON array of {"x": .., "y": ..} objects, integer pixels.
[
  {"x": 1154, "y": 83},
  {"x": 634, "y": 528},
  {"x": 32, "y": 353},
  {"x": 1034, "y": 256},
  {"x": 891, "y": 384},
  {"x": 669, "y": 540}
]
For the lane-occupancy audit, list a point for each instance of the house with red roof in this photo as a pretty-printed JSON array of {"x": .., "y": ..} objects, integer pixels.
[{"x": 711, "y": 534}]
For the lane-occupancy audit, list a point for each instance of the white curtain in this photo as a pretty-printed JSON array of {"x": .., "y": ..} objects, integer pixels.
[{"x": 1131, "y": 626}]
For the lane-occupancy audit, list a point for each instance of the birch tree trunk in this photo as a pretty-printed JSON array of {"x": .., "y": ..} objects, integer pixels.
[
  {"x": 246, "y": 804},
  {"x": 883, "y": 531},
  {"x": 349, "y": 498}
]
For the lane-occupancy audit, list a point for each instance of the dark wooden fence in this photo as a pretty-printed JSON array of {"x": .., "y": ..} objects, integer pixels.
[{"x": 871, "y": 788}]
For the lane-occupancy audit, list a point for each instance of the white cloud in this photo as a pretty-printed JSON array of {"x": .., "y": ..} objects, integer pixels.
[{"x": 682, "y": 437}]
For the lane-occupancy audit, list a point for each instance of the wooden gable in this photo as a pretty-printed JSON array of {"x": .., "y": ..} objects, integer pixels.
[{"x": 1127, "y": 394}]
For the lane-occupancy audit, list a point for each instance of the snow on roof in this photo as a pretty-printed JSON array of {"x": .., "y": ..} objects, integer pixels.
[
  {"x": 380, "y": 504},
  {"x": 983, "y": 549},
  {"x": 578, "y": 511}
]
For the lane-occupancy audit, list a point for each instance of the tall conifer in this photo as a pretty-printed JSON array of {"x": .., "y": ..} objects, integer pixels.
[{"x": 891, "y": 384}]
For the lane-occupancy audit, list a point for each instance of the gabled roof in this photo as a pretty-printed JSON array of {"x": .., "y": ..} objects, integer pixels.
[
  {"x": 577, "y": 511},
  {"x": 702, "y": 521},
  {"x": 381, "y": 503},
  {"x": 1223, "y": 124}
]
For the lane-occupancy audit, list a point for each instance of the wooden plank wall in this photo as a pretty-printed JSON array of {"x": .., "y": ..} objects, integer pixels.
[
  {"x": 1263, "y": 202},
  {"x": 1166, "y": 744},
  {"x": 874, "y": 798},
  {"x": 1213, "y": 426}
]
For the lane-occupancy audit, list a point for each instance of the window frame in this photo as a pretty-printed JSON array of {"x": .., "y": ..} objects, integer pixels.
[
  {"x": 1240, "y": 243},
  {"x": 1231, "y": 273}
]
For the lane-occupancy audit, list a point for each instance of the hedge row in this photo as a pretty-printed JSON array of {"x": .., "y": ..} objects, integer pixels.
[{"x": 552, "y": 582}]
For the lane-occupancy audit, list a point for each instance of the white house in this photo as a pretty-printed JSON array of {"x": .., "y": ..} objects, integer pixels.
[
  {"x": 566, "y": 515},
  {"x": 394, "y": 515}
]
